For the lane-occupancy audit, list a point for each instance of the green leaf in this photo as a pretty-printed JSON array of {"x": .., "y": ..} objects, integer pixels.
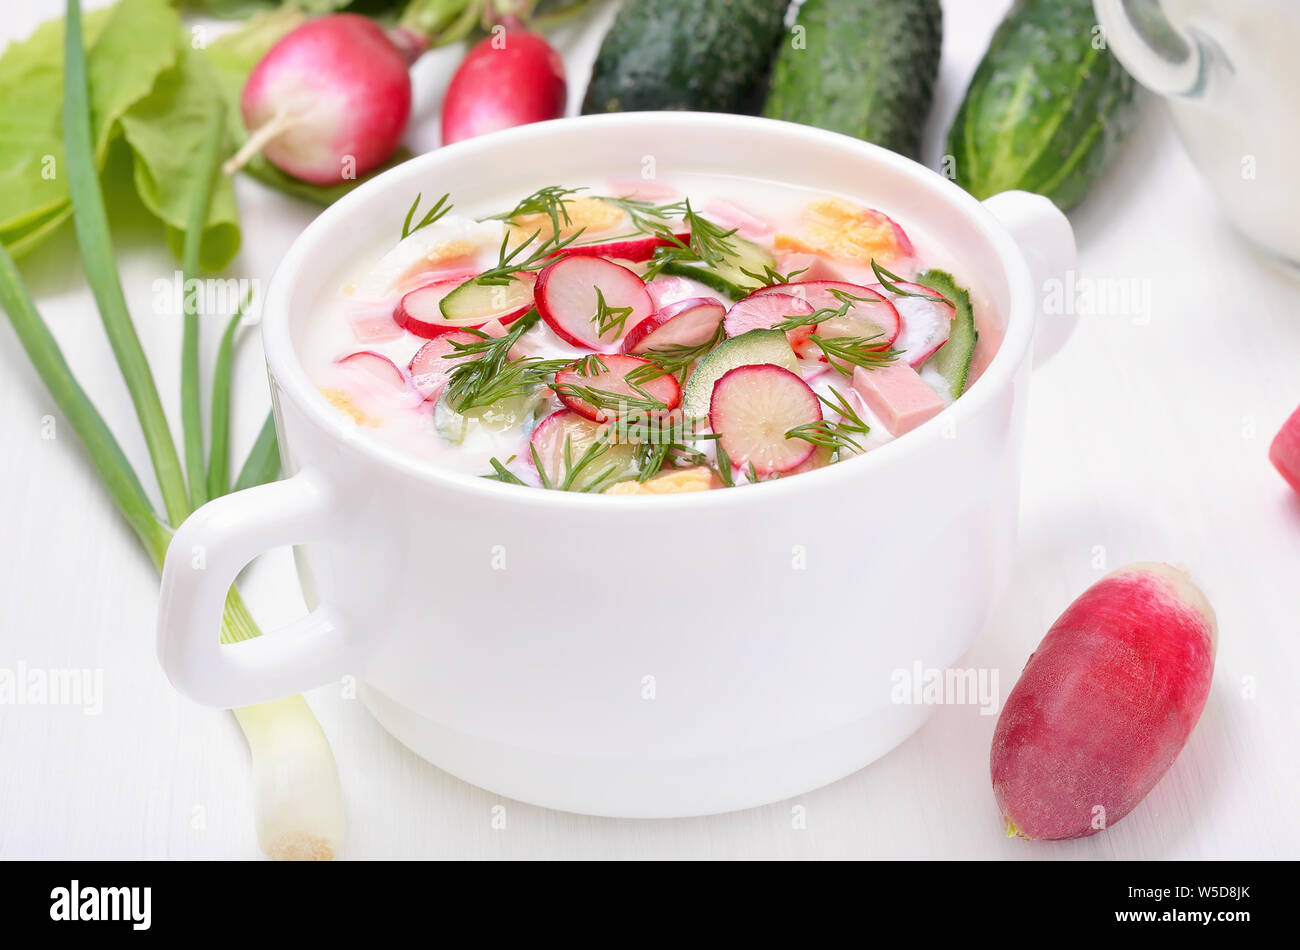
[
  {"x": 130, "y": 44},
  {"x": 166, "y": 132}
]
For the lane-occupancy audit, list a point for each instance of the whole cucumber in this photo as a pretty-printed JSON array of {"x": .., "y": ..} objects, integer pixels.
[
  {"x": 866, "y": 69},
  {"x": 1048, "y": 106},
  {"x": 708, "y": 55}
]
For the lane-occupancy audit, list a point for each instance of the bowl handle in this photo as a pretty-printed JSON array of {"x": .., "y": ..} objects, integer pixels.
[
  {"x": 209, "y": 549},
  {"x": 1045, "y": 238}
]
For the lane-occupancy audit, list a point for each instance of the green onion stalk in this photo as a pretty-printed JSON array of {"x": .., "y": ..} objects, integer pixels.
[{"x": 297, "y": 799}]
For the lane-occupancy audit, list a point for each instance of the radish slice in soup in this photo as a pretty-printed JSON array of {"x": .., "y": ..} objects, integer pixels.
[
  {"x": 687, "y": 323},
  {"x": 591, "y": 302},
  {"x": 606, "y": 375},
  {"x": 753, "y": 408}
]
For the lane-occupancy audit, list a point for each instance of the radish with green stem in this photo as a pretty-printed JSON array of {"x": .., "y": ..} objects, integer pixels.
[
  {"x": 329, "y": 101},
  {"x": 297, "y": 798}
]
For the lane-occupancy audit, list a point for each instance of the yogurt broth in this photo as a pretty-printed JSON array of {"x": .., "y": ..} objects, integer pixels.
[{"x": 634, "y": 338}]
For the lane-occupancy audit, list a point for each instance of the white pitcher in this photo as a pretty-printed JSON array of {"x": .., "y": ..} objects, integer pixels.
[{"x": 1230, "y": 71}]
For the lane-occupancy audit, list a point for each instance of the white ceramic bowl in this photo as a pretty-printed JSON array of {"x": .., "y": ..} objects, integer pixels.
[{"x": 632, "y": 656}]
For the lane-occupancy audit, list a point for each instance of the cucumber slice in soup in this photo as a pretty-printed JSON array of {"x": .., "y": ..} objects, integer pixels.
[
  {"x": 749, "y": 349},
  {"x": 499, "y": 416},
  {"x": 952, "y": 360},
  {"x": 729, "y": 275}
]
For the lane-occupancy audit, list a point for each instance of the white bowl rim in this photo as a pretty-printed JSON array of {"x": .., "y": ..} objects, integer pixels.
[{"x": 288, "y": 372}]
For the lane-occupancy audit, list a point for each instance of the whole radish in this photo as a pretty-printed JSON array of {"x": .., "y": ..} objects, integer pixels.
[
  {"x": 330, "y": 100},
  {"x": 1284, "y": 452},
  {"x": 1105, "y": 704},
  {"x": 509, "y": 78}
]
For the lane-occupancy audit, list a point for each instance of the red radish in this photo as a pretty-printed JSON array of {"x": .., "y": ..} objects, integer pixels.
[
  {"x": 568, "y": 301},
  {"x": 424, "y": 311},
  {"x": 691, "y": 322},
  {"x": 510, "y": 78},
  {"x": 872, "y": 316},
  {"x": 762, "y": 311},
  {"x": 432, "y": 363},
  {"x": 559, "y": 442},
  {"x": 1105, "y": 704},
  {"x": 668, "y": 290},
  {"x": 635, "y": 249},
  {"x": 1284, "y": 453},
  {"x": 752, "y": 409},
  {"x": 377, "y": 375},
  {"x": 328, "y": 102},
  {"x": 925, "y": 322},
  {"x": 612, "y": 379}
]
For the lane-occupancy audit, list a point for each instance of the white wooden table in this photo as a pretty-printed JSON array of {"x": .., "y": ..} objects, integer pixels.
[{"x": 1147, "y": 440}]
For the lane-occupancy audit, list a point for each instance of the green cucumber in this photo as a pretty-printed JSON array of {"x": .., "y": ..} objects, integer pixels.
[
  {"x": 754, "y": 348},
  {"x": 866, "y": 69},
  {"x": 473, "y": 303},
  {"x": 1046, "y": 108},
  {"x": 706, "y": 55},
  {"x": 729, "y": 276},
  {"x": 499, "y": 416},
  {"x": 952, "y": 360}
]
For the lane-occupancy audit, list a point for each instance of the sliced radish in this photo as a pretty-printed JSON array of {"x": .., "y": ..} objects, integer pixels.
[
  {"x": 613, "y": 380},
  {"x": 925, "y": 323},
  {"x": 763, "y": 311},
  {"x": 690, "y": 322},
  {"x": 752, "y": 409},
  {"x": 558, "y": 443},
  {"x": 432, "y": 363},
  {"x": 636, "y": 248},
  {"x": 666, "y": 290},
  {"x": 568, "y": 302},
  {"x": 377, "y": 376},
  {"x": 874, "y": 316},
  {"x": 449, "y": 305}
]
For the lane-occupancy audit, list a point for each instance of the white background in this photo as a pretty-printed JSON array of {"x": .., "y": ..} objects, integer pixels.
[{"x": 1147, "y": 440}]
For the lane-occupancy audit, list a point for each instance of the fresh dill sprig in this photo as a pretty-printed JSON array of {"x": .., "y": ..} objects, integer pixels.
[
  {"x": 837, "y": 436},
  {"x": 494, "y": 376},
  {"x": 607, "y": 401},
  {"x": 550, "y": 201},
  {"x": 724, "y": 466},
  {"x": 771, "y": 277},
  {"x": 572, "y": 468},
  {"x": 590, "y": 365},
  {"x": 511, "y": 261},
  {"x": 674, "y": 359},
  {"x": 500, "y": 473},
  {"x": 707, "y": 242},
  {"x": 889, "y": 280},
  {"x": 864, "y": 351},
  {"x": 609, "y": 318},
  {"x": 433, "y": 214},
  {"x": 848, "y": 301}
]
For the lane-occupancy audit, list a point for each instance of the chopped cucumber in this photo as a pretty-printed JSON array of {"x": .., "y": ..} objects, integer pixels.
[
  {"x": 754, "y": 348},
  {"x": 499, "y": 416},
  {"x": 952, "y": 360},
  {"x": 473, "y": 303}
]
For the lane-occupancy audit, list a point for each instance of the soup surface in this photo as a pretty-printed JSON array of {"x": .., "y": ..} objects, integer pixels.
[{"x": 649, "y": 337}]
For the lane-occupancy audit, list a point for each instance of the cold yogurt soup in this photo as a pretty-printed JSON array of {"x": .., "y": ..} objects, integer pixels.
[{"x": 646, "y": 339}]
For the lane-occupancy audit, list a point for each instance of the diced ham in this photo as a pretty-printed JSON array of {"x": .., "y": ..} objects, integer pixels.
[
  {"x": 731, "y": 215},
  {"x": 810, "y": 266},
  {"x": 898, "y": 395},
  {"x": 373, "y": 323}
]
